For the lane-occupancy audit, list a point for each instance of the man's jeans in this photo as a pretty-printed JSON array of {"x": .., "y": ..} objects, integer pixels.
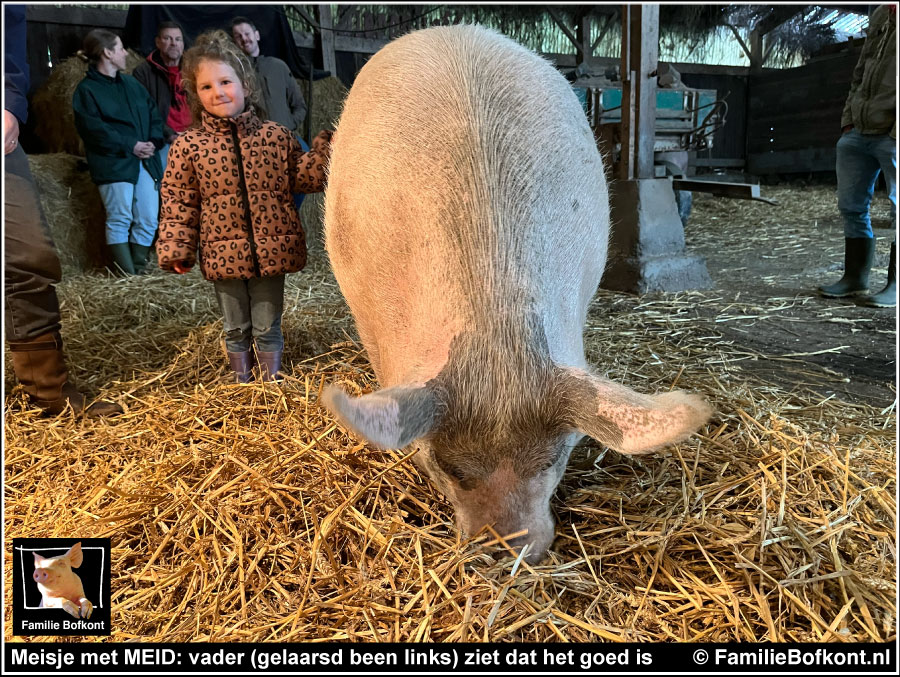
[
  {"x": 31, "y": 266},
  {"x": 252, "y": 308},
  {"x": 132, "y": 210},
  {"x": 859, "y": 159}
]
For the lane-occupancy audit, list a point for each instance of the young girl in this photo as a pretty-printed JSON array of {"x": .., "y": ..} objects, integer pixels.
[{"x": 226, "y": 200}]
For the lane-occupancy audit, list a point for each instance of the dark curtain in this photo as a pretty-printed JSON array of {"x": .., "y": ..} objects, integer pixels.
[{"x": 275, "y": 37}]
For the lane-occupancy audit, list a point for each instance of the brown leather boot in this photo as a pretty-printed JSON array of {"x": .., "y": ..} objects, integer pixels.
[{"x": 40, "y": 367}]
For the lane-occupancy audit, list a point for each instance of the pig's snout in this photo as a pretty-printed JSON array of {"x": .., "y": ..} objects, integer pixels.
[
  {"x": 40, "y": 576},
  {"x": 538, "y": 537}
]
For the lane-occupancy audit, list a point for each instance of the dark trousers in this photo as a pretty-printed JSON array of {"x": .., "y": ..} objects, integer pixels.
[{"x": 31, "y": 265}]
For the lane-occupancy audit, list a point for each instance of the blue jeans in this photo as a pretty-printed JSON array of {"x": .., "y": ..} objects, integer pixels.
[
  {"x": 252, "y": 308},
  {"x": 860, "y": 157},
  {"x": 132, "y": 210},
  {"x": 164, "y": 156}
]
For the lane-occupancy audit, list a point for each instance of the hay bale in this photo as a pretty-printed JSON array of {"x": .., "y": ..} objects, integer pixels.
[
  {"x": 51, "y": 104},
  {"x": 328, "y": 101},
  {"x": 74, "y": 210}
]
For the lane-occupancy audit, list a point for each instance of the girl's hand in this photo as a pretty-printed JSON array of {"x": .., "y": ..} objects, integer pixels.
[{"x": 181, "y": 267}]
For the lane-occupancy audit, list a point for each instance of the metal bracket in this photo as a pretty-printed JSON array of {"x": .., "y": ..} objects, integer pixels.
[{"x": 738, "y": 191}]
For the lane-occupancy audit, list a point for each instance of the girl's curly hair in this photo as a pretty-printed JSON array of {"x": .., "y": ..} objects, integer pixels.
[{"x": 217, "y": 45}]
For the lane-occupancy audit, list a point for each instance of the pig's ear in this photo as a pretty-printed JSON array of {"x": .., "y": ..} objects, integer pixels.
[
  {"x": 38, "y": 560},
  {"x": 389, "y": 418},
  {"x": 75, "y": 556},
  {"x": 627, "y": 421}
]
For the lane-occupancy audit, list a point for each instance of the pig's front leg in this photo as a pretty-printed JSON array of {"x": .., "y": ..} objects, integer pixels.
[
  {"x": 86, "y": 607},
  {"x": 71, "y": 608}
]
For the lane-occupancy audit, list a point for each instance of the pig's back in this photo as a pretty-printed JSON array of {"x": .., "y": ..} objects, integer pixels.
[{"x": 464, "y": 183}]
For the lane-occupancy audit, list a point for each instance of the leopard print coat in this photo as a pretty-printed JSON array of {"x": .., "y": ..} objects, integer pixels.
[{"x": 226, "y": 198}]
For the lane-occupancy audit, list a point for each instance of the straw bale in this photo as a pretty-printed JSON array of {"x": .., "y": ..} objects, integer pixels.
[
  {"x": 73, "y": 209},
  {"x": 51, "y": 104},
  {"x": 328, "y": 100},
  {"x": 245, "y": 512}
]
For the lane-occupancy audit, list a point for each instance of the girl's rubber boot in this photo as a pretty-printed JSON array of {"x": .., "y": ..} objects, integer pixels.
[{"x": 242, "y": 366}]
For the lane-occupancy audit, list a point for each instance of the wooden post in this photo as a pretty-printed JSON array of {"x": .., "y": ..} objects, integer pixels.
[
  {"x": 756, "y": 51},
  {"x": 326, "y": 35},
  {"x": 640, "y": 56},
  {"x": 583, "y": 35}
]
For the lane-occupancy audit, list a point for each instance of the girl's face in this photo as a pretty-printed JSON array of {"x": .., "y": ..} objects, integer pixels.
[{"x": 220, "y": 89}]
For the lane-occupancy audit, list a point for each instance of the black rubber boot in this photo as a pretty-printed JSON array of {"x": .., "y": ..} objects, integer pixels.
[
  {"x": 242, "y": 366},
  {"x": 139, "y": 254},
  {"x": 887, "y": 297},
  {"x": 269, "y": 365},
  {"x": 121, "y": 256},
  {"x": 858, "y": 255}
]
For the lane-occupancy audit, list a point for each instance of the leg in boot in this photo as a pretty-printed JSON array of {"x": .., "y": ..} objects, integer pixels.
[
  {"x": 139, "y": 254},
  {"x": 887, "y": 297},
  {"x": 40, "y": 367},
  {"x": 121, "y": 256},
  {"x": 267, "y": 304},
  {"x": 118, "y": 199},
  {"x": 858, "y": 255},
  {"x": 269, "y": 365},
  {"x": 242, "y": 366}
]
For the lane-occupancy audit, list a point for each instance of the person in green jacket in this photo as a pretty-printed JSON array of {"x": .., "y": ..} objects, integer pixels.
[
  {"x": 122, "y": 133},
  {"x": 867, "y": 147}
]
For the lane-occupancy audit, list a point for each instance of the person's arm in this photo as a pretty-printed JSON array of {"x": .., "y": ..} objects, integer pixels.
[
  {"x": 94, "y": 132},
  {"x": 158, "y": 133},
  {"x": 143, "y": 74},
  {"x": 15, "y": 64},
  {"x": 858, "y": 72},
  {"x": 295, "y": 101},
  {"x": 179, "y": 221},
  {"x": 308, "y": 170}
]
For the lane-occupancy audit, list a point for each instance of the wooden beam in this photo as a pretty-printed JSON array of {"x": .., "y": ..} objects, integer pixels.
[
  {"x": 610, "y": 18},
  {"x": 565, "y": 29},
  {"x": 740, "y": 41},
  {"x": 306, "y": 16},
  {"x": 583, "y": 33},
  {"x": 326, "y": 35},
  {"x": 77, "y": 16},
  {"x": 640, "y": 58}
]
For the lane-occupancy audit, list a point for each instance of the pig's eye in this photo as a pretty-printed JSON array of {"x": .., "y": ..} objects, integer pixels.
[{"x": 456, "y": 473}]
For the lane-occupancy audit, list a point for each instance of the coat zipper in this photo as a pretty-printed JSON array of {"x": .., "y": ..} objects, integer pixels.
[{"x": 240, "y": 164}]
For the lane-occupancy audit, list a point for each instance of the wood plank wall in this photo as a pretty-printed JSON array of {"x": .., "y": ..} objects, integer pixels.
[{"x": 794, "y": 116}]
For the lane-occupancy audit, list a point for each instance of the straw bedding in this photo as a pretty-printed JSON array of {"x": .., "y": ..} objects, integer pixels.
[{"x": 243, "y": 513}]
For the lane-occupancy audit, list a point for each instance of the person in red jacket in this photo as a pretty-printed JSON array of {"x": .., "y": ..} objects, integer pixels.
[
  {"x": 161, "y": 76},
  {"x": 226, "y": 201}
]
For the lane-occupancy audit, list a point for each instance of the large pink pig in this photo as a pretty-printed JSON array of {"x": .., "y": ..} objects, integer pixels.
[
  {"x": 467, "y": 222},
  {"x": 59, "y": 585}
]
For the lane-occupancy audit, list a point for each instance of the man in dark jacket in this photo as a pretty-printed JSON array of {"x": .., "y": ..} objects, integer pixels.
[
  {"x": 161, "y": 75},
  {"x": 868, "y": 146},
  {"x": 31, "y": 265},
  {"x": 282, "y": 97}
]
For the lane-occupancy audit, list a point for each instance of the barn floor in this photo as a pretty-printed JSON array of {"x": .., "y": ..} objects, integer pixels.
[
  {"x": 242, "y": 513},
  {"x": 766, "y": 261}
]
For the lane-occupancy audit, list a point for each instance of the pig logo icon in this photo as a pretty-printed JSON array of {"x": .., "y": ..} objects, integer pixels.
[{"x": 60, "y": 586}]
